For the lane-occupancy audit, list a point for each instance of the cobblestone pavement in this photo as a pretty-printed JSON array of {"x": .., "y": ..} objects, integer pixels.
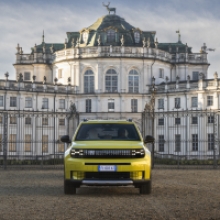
[{"x": 177, "y": 194}]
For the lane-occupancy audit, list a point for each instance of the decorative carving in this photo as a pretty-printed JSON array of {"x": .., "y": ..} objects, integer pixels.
[
  {"x": 109, "y": 9},
  {"x": 122, "y": 40},
  {"x": 99, "y": 40}
]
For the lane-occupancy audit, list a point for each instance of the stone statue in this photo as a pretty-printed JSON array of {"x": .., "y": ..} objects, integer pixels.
[
  {"x": 156, "y": 43},
  {"x": 34, "y": 78},
  {"x": 148, "y": 42},
  {"x": 6, "y": 76},
  {"x": 45, "y": 79},
  {"x": 69, "y": 80},
  {"x": 20, "y": 77},
  {"x": 144, "y": 42},
  {"x": 99, "y": 40},
  {"x": 55, "y": 80},
  {"x": 73, "y": 43},
  {"x": 188, "y": 78},
  {"x": 215, "y": 75},
  {"x": 122, "y": 40},
  {"x": 52, "y": 49}
]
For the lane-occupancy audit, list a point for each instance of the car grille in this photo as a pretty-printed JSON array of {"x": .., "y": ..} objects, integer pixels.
[
  {"x": 107, "y": 153},
  {"x": 107, "y": 175}
]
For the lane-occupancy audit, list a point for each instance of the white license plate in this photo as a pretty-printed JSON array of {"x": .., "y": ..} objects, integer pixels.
[{"x": 108, "y": 168}]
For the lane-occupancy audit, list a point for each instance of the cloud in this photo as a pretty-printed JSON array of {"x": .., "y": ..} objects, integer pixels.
[{"x": 24, "y": 23}]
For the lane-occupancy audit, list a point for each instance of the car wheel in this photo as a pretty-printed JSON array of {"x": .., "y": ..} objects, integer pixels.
[
  {"x": 69, "y": 188},
  {"x": 145, "y": 188}
]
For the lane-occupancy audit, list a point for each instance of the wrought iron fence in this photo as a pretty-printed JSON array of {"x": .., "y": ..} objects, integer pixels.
[
  {"x": 33, "y": 137},
  {"x": 184, "y": 137}
]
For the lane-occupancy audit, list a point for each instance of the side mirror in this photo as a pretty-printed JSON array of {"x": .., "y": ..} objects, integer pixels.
[
  {"x": 149, "y": 139},
  {"x": 65, "y": 139}
]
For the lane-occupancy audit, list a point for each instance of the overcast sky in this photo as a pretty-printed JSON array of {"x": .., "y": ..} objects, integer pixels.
[{"x": 24, "y": 21}]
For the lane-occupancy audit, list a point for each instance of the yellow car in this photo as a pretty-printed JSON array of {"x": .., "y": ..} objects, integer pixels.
[{"x": 107, "y": 153}]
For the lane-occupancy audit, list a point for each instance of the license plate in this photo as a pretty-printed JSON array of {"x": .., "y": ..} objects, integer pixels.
[{"x": 108, "y": 168}]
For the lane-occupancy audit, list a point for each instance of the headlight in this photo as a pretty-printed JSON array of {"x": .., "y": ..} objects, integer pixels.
[
  {"x": 76, "y": 153},
  {"x": 138, "y": 153}
]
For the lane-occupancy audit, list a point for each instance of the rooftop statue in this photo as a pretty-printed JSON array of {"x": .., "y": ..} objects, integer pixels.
[{"x": 109, "y": 9}]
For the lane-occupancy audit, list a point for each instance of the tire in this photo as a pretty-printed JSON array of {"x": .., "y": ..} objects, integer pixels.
[
  {"x": 145, "y": 188},
  {"x": 69, "y": 189}
]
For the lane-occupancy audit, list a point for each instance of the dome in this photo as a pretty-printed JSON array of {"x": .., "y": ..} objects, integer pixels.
[{"x": 110, "y": 30}]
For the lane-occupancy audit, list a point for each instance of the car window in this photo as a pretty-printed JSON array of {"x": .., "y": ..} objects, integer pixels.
[{"x": 107, "y": 131}]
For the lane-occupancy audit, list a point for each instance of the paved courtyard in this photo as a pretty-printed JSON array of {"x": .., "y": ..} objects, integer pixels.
[{"x": 177, "y": 194}]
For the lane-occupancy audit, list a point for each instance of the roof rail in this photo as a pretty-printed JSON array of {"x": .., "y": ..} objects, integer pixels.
[
  {"x": 130, "y": 119},
  {"x": 85, "y": 119}
]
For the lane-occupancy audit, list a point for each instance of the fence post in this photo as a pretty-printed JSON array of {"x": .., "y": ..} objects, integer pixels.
[{"x": 5, "y": 140}]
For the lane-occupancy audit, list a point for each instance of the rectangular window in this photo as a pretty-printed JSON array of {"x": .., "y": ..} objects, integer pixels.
[
  {"x": 210, "y": 119},
  {"x": 45, "y": 103},
  {"x": 177, "y": 142},
  {"x": 12, "y": 143},
  {"x": 27, "y": 146},
  {"x": 13, "y": 120},
  {"x": 27, "y": 76},
  {"x": 195, "y": 76},
  {"x": 134, "y": 105},
  {"x": 160, "y": 121},
  {"x": 111, "y": 105},
  {"x": 210, "y": 141},
  {"x": 28, "y": 102},
  {"x": 88, "y": 105},
  {"x": 28, "y": 121},
  {"x": 194, "y": 102},
  {"x": 194, "y": 120},
  {"x": 177, "y": 121},
  {"x": 161, "y": 73},
  {"x": 161, "y": 143},
  {"x": 60, "y": 73},
  {"x": 209, "y": 100},
  {"x": 13, "y": 101},
  {"x": 61, "y": 146},
  {"x": 194, "y": 142},
  {"x": 160, "y": 103},
  {"x": 177, "y": 102},
  {"x": 45, "y": 143},
  {"x": 1, "y": 101},
  {"x": 44, "y": 121},
  {"x": 61, "y": 121},
  {"x": 62, "y": 103}
]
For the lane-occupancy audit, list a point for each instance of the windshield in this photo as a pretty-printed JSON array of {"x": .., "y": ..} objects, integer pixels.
[{"x": 107, "y": 131}]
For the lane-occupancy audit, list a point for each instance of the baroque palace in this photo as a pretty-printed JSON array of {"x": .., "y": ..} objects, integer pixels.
[{"x": 111, "y": 70}]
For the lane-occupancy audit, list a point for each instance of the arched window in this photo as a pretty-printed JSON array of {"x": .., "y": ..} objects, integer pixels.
[
  {"x": 111, "y": 81},
  {"x": 110, "y": 36},
  {"x": 136, "y": 37},
  {"x": 133, "y": 81},
  {"x": 89, "y": 81},
  {"x": 85, "y": 37}
]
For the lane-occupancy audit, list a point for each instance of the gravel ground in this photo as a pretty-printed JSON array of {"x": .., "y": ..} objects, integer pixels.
[{"x": 176, "y": 194}]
